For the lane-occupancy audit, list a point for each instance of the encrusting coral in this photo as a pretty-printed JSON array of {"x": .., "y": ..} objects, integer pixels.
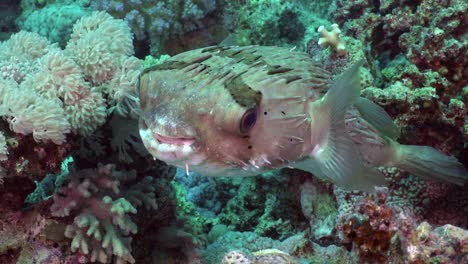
[
  {"x": 158, "y": 21},
  {"x": 266, "y": 256}
]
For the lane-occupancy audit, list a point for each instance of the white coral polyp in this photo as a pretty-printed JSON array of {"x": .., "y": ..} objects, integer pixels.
[
  {"x": 123, "y": 87},
  {"x": 92, "y": 55},
  {"x": 87, "y": 113},
  {"x": 27, "y": 113},
  {"x": 117, "y": 31},
  {"x": 58, "y": 76},
  {"x": 25, "y": 46},
  {"x": 97, "y": 43}
]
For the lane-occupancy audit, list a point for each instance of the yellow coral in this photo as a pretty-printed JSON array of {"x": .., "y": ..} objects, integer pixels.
[{"x": 332, "y": 39}]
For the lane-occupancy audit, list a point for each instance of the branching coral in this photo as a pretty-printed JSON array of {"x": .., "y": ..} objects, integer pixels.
[
  {"x": 102, "y": 200},
  {"x": 332, "y": 39}
]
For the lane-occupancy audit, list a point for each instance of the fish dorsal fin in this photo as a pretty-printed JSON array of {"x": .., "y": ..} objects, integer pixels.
[
  {"x": 337, "y": 158},
  {"x": 377, "y": 117}
]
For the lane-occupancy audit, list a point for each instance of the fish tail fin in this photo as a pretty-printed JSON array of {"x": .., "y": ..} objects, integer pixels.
[
  {"x": 429, "y": 163},
  {"x": 338, "y": 158}
]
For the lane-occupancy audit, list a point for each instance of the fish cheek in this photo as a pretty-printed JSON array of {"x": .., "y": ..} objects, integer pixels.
[{"x": 223, "y": 146}]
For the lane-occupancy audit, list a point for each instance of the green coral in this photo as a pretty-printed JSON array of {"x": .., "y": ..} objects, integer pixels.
[
  {"x": 54, "y": 21},
  {"x": 194, "y": 223},
  {"x": 151, "y": 61}
]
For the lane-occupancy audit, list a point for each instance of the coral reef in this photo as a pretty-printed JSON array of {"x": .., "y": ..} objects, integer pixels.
[
  {"x": 259, "y": 257},
  {"x": 318, "y": 206},
  {"x": 159, "y": 21},
  {"x": 53, "y": 21},
  {"x": 425, "y": 244},
  {"x": 101, "y": 201},
  {"x": 50, "y": 93},
  {"x": 369, "y": 229},
  {"x": 69, "y": 104}
]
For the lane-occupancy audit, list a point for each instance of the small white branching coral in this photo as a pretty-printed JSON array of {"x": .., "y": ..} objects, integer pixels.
[
  {"x": 332, "y": 39},
  {"x": 103, "y": 200}
]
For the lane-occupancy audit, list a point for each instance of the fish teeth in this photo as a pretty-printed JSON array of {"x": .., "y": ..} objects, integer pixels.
[
  {"x": 167, "y": 148},
  {"x": 186, "y": 150}
]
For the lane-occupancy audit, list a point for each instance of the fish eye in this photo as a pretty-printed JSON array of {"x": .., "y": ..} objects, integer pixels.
[{"x": 248, "y": 120}]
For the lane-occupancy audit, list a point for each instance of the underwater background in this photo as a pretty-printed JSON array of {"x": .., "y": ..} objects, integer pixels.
[{"x": 78, "y": 186}]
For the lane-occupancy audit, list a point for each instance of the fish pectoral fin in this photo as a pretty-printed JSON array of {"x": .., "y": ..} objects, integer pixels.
[
  {"x": 340, "y": 161},
  {"x": 337, "y": 157},
  {"x": 377, "y": 117},
  {"x": 343, "y": 168}
]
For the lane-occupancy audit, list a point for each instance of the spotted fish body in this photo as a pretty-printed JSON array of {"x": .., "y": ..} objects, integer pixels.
[
  {"x": 218, "y": 85},
  {"x": 239, "y": 111}
]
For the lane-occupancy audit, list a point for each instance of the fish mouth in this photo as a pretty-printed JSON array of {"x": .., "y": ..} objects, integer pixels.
[
  {"x": 177, "y": 151},
  {"x": 178, "y": 141}
]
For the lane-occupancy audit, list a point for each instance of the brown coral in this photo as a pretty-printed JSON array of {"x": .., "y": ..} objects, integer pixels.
[{"x": 370, "y": 231}]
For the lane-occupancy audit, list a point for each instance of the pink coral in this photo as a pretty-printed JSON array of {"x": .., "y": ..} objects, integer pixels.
[{"x": 102, "y": 200}]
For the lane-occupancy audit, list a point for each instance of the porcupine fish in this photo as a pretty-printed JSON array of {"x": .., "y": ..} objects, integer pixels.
[{"x": 240, "y": 111}]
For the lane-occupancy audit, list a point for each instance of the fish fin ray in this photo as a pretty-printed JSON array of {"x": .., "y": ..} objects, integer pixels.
[
  {"x": 341, "y": 162},
  {"x": 377, "y": 117},
  {"x": 429, "y": 163},
  {"x": 338, "y": 158},
  {"x": 343, "y": 93}
]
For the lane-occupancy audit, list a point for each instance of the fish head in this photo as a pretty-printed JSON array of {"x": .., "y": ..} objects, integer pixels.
[
  {"x": 234, "y": 114},
  {"x": 205, "y": 130}
]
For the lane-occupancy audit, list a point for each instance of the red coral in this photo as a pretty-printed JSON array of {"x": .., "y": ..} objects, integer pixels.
[{"x": 370, "y": 231}]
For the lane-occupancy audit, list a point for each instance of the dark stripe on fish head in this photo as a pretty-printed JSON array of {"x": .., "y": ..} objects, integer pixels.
[{"x": 243, "y": 94}]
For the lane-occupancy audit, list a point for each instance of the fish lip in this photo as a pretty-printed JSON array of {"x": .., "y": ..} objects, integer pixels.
[{"x": 179, "y": 141}]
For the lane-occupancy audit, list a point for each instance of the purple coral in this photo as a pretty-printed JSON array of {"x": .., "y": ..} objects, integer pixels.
[{"x": 158, "y": 20}]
